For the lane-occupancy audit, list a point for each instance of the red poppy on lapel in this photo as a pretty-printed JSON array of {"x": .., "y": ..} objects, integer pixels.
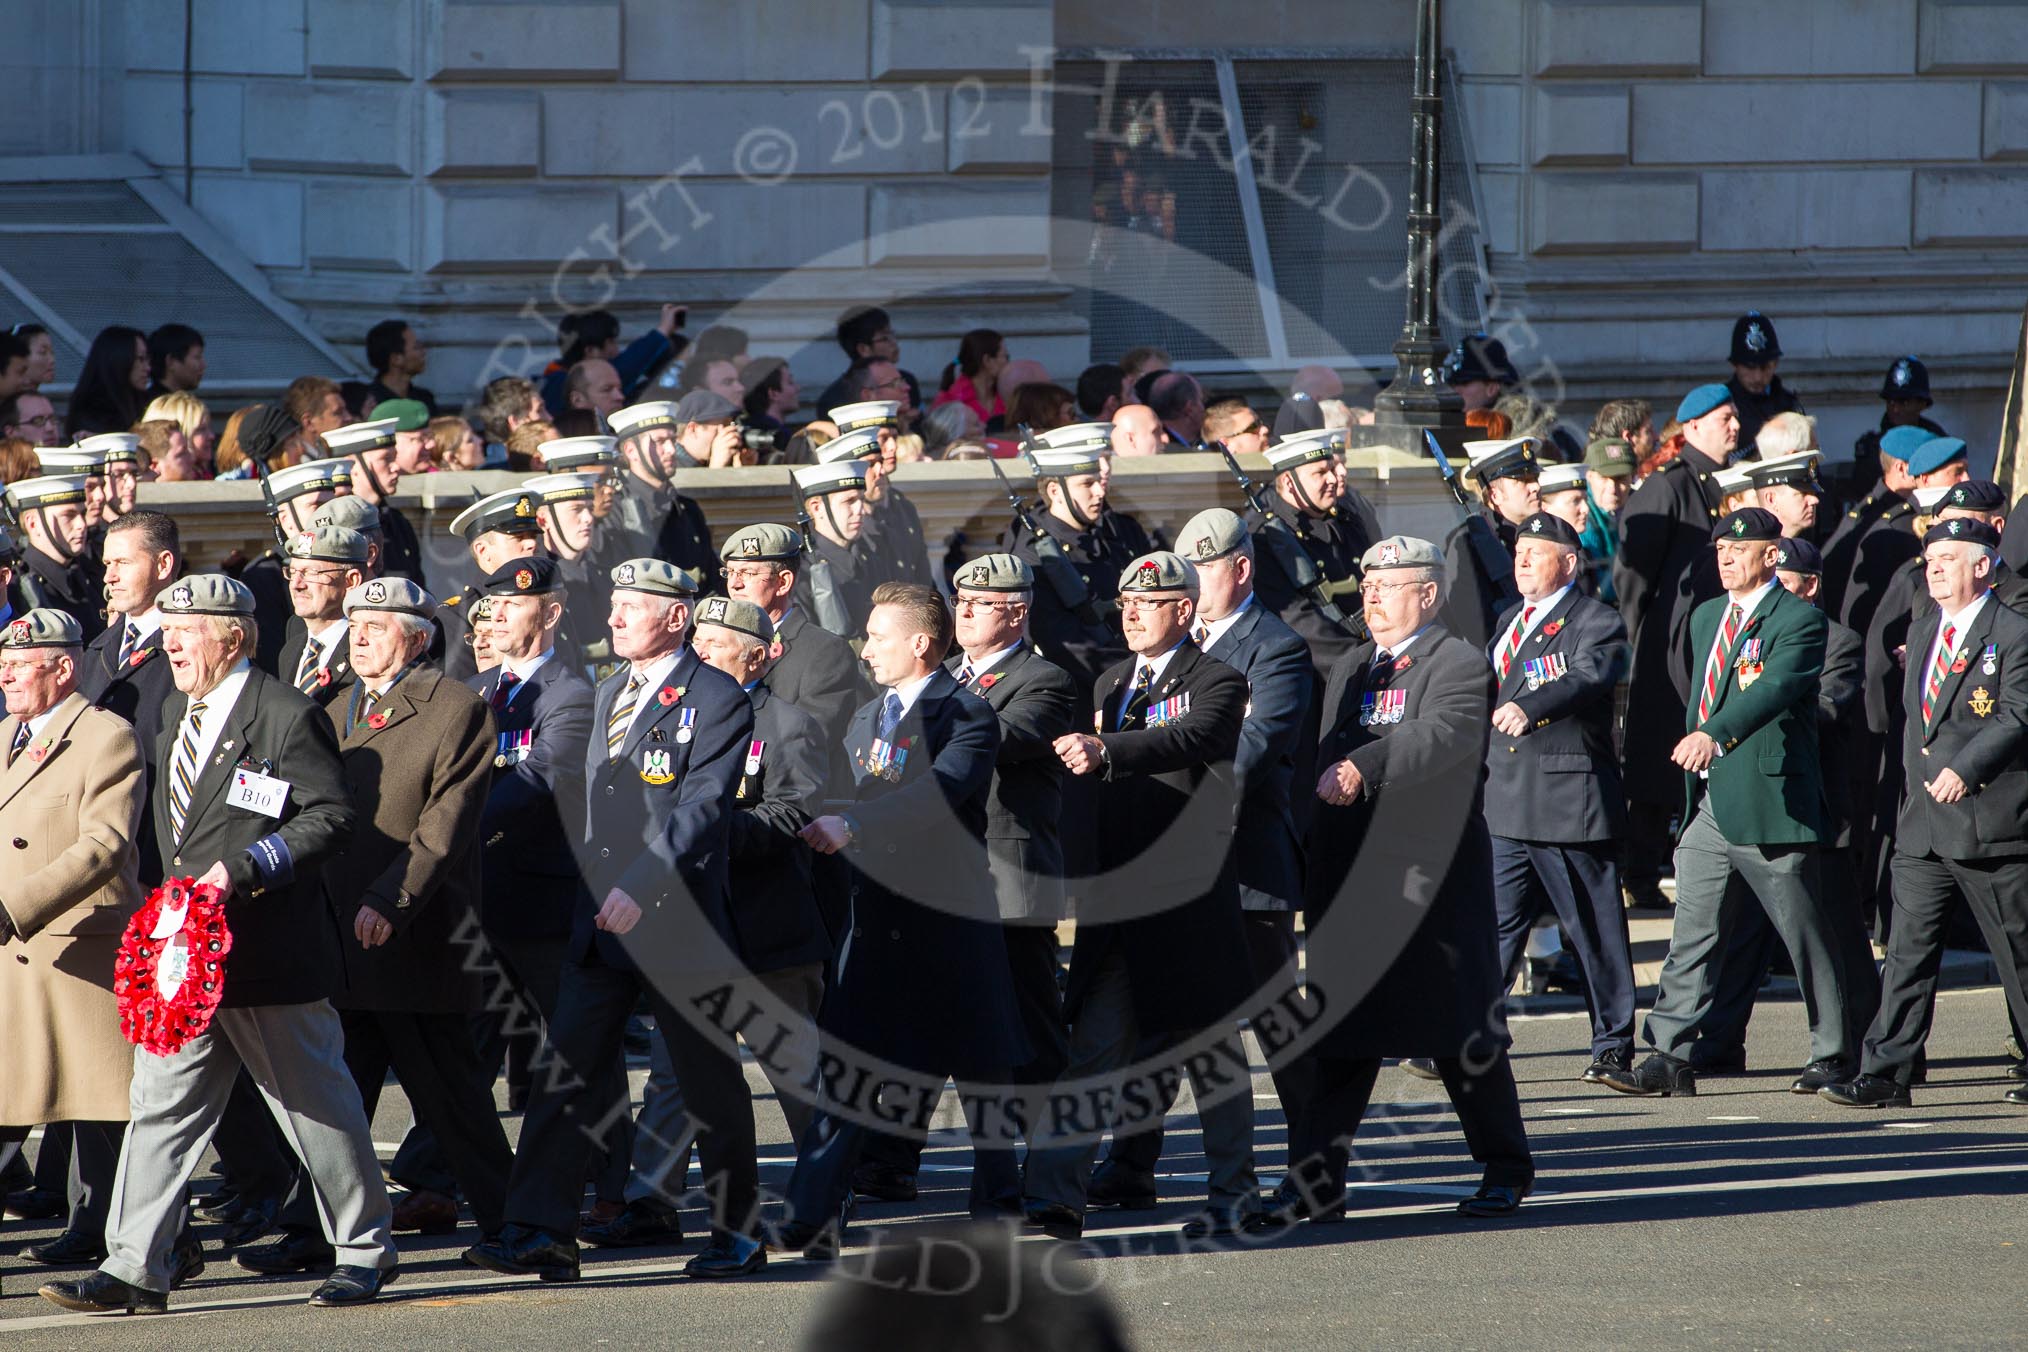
[
  {"x": 669, "y": 696},
  {"x": 323, "y": 676},
  {"x": 987, "y": 682},
  {"x": 138, "y": 658},
  {"x": 1402, "y": 664},
  {"x": 1551, "y": 629},
  {"x": 376, "y": 721},
  {"x": 1958, "y": 667},
  {"x": 38, "y": 751}
]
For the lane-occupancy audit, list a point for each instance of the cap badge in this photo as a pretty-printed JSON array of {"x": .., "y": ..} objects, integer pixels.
[
  {"x": 624, "y": 575},
  {"x": 1901, "y": 372},
  {"x": 523, "y": 507},
  {"x": 182, "y": 598},
  {"x": 524, "y": 579},
  {"x": 1535, "y": 526},
  {"x": 1739, "y": 525},
  {"x": 714, "y": 609},
  {"x": 1616, "y": 452},
  {"x": 376, "y": 592},
  {"x": 750, "y": 544},
  {"x": 17, "y": 632},
  {"x": 980, "y": 575},
  {"x": 1148, "y": 575},
  {"x": 1204, "y": 547},
  {"x": 1756, "y": 339},
  {"x": 1957, "y": 527},
  {"x": 1389, "y": 555}
]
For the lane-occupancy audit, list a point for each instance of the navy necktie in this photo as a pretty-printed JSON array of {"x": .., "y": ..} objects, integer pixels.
[{"x": 890, "y": 717}]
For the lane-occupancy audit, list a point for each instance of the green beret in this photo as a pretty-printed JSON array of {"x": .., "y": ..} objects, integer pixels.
[
  {"x": 330, "y": 544},
  {"x": 1160, "y": 571},
  {"x": 995, "y": 573},
  {"x": 1211, "y": 534},
  {"x": 43, "y": 627},
  {"x": 350, "y": 512},
  {"x": 1401, "y": 551},
  {"x": 396, "y": 594},
  {"x": 208, "y": 594},
  {"x": 654, "y": 577},
  {"x": 781, "y": 544},
  {"x": 409, "y": 415},
  {"x": 729, "y": 612}
]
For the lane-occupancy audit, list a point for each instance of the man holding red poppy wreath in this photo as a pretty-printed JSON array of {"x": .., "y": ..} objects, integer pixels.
[
  {"x": 70, "y": 799},
  {"x": 251, "y": 800}
]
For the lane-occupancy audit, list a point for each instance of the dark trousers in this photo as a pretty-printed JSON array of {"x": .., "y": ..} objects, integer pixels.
[
  {"x": 829, "y": 1151},
  {"x": 1270, "y": 951},
  {"x": 1581, "y": 883},
  {"x": 1487, "y": 1102},
  {"x": 576, "y": 1110},
  {"x": 433, "y": 1057},
  {"x": 1925, "y": 889},
  {"x": 509, "y": 1031},
  {"x": 1753, "y": 946},
  {"x": 78, "y": 1159},
  {"x": 1038, "y": 999},
  {"x": 1650, "y": 841}
]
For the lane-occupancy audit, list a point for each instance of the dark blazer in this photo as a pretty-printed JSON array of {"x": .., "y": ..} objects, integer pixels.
[
  {"x": 1033, "y": 700},
  {"x": 820, "y": 674},
  {"x": 400, "y": 550},
  {"x": 1979, "y": 728},
  {"x": 1766, "y": 787},
  {"x": 923, "y": 978},
  {"x": 1276, "y": 664},
  {"x": 665, "y": 844},
  {"x": 284, "y": 945},
  {"x": 267, "y": 577},
  {"x": 1841, "y": 717},
  {"x": 1877, "y": 544},
  {"x": 1409, "y": 966},
  {"x": 1479, "y": 576},
  {"x": 419, "y": 782},
  {"x": 1559, "y": 784},
  {"x": 1165, "y": 813},
  {"x": 1084, "y": 648},
  {"x": 528, "y": 833},
  {"x": 136, "y": 692},
  {"x": 66, "y": 587},
  {"x": 774, "y": 907},
  {"x": 897, "y": 528},
  {"x": 337, "y": 665}
]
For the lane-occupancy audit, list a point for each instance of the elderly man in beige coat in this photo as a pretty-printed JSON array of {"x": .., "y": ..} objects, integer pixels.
[{"x": 71, "y": 795}]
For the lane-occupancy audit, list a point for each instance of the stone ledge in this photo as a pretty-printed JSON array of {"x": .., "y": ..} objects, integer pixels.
[
  {"x": 1971, "y": 207},
  {"x": 1649, "y": 37},
  {"x": 1590, "y": 213}
]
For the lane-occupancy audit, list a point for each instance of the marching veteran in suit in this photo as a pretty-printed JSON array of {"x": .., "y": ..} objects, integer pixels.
[
  {"x": 1963, "y": 829},
  {"x": 1554, "y": 803},
  {"x": 1167, "y": 965},
  {"x": 417, "y": 748},
  {"x": 670, "y": 737},
  {"x": 1399, "y": 851},
  {"x": 1753, "y": 814},
  {"x": 252, "y": 800},
  {"x": 70, "y": 804}
]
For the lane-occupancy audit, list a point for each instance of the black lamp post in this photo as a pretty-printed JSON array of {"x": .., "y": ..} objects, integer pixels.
[{"x": 1418, "y": 398}]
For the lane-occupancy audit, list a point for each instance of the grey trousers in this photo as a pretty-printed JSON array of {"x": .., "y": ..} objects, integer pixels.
[
  {"x": 1104, "y": 1040},
  {"x": 1784, "y": 879},
  {"x": 790, "y": 1063},
  {"x": 296, "y": 1055}
]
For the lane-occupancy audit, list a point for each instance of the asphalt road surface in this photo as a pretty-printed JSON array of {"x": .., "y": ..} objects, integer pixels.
[{"x": 1743, "y": 1217}]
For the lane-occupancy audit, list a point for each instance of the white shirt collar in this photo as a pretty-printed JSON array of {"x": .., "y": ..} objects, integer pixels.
[
  {"x": 146, "y": 623},
  {"x": 653, "y": 675},
  {"x": 1962, "y": 621},
  {"x": 1398, "y": 649},
  {"x": 989, "y": 661},
  {"x": 1214, "y": 630},
  {"x": 912, "y": 691},
  {"x": 1754, "y": 599},
  {"x": 330, "y": 636},
  {"x": 528, "y": 666},
  {"x": 1156, "y": 665}
]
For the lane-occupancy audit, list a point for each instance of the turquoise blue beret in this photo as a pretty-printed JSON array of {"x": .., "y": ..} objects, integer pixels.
[
  {"x": 1701, "y": 401},
  {"x": 1934, "y": 454},
  {"x": 1901, "y": 442}
]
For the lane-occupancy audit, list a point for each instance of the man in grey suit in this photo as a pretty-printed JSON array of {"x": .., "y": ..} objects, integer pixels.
[
  {"x": 253, "y": 800},
  {"x": 1233, "y": 627},
  {"x": 1554, "y": 802}
]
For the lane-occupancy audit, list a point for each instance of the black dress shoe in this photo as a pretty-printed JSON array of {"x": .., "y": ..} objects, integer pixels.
[
  {"x": 728, "y": 1256},
  {"x": 1422, "y": 1067},
  {"x": 1053, "y": 1219},
  {"x": 217, "y": 1208},
  {"x": 352, "y": 1286},
  {"x": 2017, "y": 1070},
  {"x": 1319, "y": 1207},
  {"x": 1226, "y": 1223},
  {"x": 883, "y": 1183},
  {"x": 1817, "y": 1074},
  {"x": 1127, "y": 1189},
  {"x": 186, "y": 1261},
  {"x": 1730, "y": 1061},
  {"x": 1867, "y": 1091},
  {"x": 69, "y": 1249},
  {"x": 292, "y": 1253},
  {"x": 1659, "y": 1074},
  {"x": 36, "y": 1204},
  {"x": 1618, "y": 1059},
  {"x": 248, "y": 1220},
  {"x": 1494, "y": 1200},
  {"x": 103, "y": 1293},
  {"x": 520, "y": 1251},
  {"x": 643, "y": 1222},
  {"x": 2018, "y": 1096}
]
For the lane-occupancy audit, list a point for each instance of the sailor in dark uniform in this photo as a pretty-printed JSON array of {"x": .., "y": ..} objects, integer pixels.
[
  {"x": 1789, "y": 487},
  {"x": 659, "y": 521},
  {"x": 1314, "y": 519},
  {"x": 1756, "y": 391},
  {"x": 371, "y": 448},
  {"x": 1479, "y": 551},
  {"x": 497, "y": 528},
  {"x": 54, "y": 572},
  {"x": 89, "y": 461},
  {"x": 568, "y": 533},
  {"x": 893, "y": 524},
  {"x": 294, "y": 495},
  {"x": 834, "y": 496},
  {"x": 1888, "y": 500}
]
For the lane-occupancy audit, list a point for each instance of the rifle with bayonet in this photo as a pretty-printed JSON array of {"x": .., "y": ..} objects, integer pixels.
[
  {"x": 1052, "y": 565},
  {"x": 828, "y": 606},
  {"x": 1291, "y": 553},
  {"x": 1494, "y": 561}
]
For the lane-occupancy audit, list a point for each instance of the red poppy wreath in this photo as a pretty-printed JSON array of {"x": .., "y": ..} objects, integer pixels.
[{"x": 170, "y": 972}]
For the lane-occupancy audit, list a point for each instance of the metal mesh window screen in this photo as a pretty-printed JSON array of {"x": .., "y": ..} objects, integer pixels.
[{"x": 1328, "y": 150}]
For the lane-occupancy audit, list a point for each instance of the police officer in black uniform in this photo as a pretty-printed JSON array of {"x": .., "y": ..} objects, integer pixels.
[
  {"x": 1905, "y": 391},
  {"x": 1757, "y": 392},
  {"x": 1479, "y": 551}
]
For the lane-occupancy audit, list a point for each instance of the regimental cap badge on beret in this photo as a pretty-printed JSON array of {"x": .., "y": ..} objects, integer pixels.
[
  {"x": 624, "y": 575},
  {"x": 1739, "y": 525},
  {"x": 1957, "y": 526},
  {"x": 1535, "y": 526},
  {"x": 17, "y": 632},
  {"x": 300, "y": 543},
  {"x": 1390, "y": 554},
  {"x": 524, "y": 579},
  {"x": 714, "y": 609},
  {"x": 394, "y": 594},
  {"x": 376, "y": 592},
  {"x": 1162, "y": 570},
  {"x": 749, "y": 545},
  {"x": 1148, "y": 574},
  {"x": 43, "y": 627},
  {"x": 181, "y": 597},
  {"x": 1204, "y": 547},
  {"x": 979, "y": 575}
]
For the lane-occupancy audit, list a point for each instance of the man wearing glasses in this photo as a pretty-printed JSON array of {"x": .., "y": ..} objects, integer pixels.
[
  {"x": 31, "y": 417},
  {"x": 324, "y": 564}
]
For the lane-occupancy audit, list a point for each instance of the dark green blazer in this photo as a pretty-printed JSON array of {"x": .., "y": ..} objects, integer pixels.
[{"x": 1766, "y": 787}]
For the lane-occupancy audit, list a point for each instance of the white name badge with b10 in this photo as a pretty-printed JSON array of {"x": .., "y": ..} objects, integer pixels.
[{"x": 257, "y": 792}]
